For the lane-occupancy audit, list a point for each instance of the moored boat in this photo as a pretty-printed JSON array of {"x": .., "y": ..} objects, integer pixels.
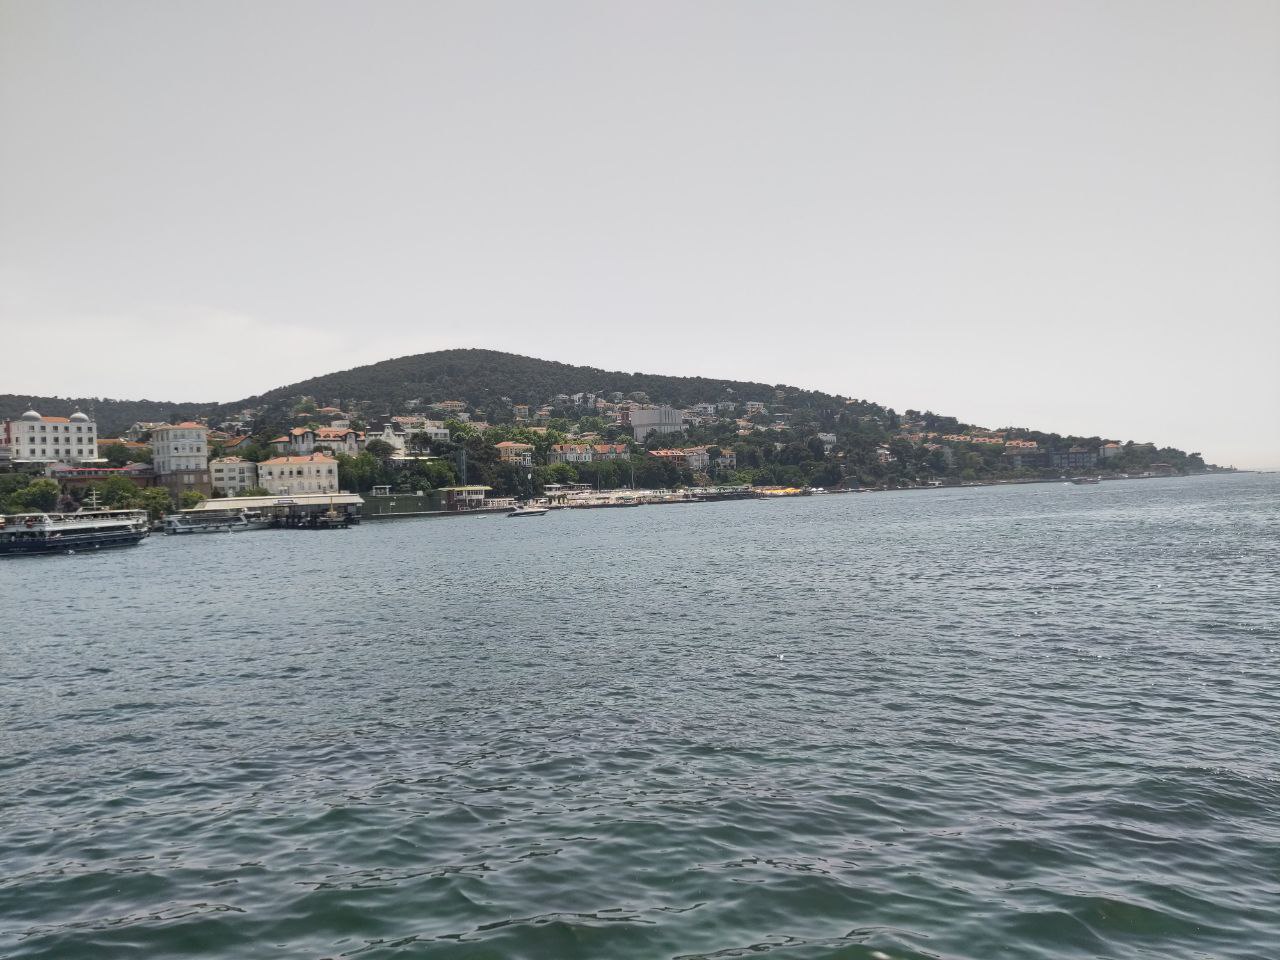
[
  {"x": 71, "y": 532},
  {"x": 214, "y": 521}
]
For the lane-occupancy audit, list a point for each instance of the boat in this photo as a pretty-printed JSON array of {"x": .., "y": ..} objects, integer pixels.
[
  {"x": 214, "y": 521},
  {"x": 1083, "y": 480},
  {"x": 71, "y": 532},
  {"x": 528, "y": 510}
]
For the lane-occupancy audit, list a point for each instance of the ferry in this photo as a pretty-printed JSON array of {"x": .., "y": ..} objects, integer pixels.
[
  {"x": 71, "y": 532},
  {"x": 214, "y": 521}
]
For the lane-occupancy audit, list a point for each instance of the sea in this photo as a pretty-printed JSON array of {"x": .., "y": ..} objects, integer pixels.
[{"x": 1034, "y": 721}]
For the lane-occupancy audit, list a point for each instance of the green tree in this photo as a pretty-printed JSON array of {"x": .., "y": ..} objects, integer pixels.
[
  {"x": 116, "y": 491},
  {"x": 38, "y": 495},
  {"x": 380, "y": 450},
  {"x": 154, "y": 500},
  {"x": 192, "y": 498}
]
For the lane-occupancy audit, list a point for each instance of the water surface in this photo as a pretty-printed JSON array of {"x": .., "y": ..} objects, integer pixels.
[{"x": 1030, "y": 722}]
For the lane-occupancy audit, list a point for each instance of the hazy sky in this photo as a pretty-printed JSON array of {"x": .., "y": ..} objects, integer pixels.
[{"x": 1061, "y": 215}]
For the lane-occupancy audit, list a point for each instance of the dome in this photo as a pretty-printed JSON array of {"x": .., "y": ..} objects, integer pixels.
[
  {"x": 31, "y": 415},
  {"x": 79, "y": 417}
]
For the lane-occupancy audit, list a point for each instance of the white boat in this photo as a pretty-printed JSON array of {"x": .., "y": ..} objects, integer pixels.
[
  {"x": 528, "y": 510},
  {"x": 214, "y": 521},
  {"x": 71, "y": 532}
]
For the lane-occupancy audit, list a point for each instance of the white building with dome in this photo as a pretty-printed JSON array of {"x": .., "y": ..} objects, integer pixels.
[{"x": 33, "y": 438}]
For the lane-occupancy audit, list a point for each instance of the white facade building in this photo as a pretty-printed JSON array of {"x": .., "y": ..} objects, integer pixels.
[
  {"x": 180, "y": 455},
  {"x": 72, "y": 439},
  {"x": 230, "y": 475},
  {"x": 284, "y": 476},
  {"x": 647, "y": 420}
]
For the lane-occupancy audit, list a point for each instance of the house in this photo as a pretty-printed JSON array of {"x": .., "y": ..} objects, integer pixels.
[
  {"x": 142, "y": 429},
  {"x": 301, "y": 441},
  {"x": 231, "y": 475},
  {"x": 33, "y": 437},
  {"x": 728, "y": 460},
  {"x": 755, "y": 406},
  {"x": 570, "y": 453},
  {"x": 285, "y": 476},
  {"x": 180, "y": 455},
  {"x": 435, "y": 430},
  {"x": 1109, "y": 450},
  {"x": 510, "y": 451},
  {"x": 389, "y": 431},
  {"x": 520, "y": 411},
  {"x": 609, "y": 451},
  {"x": 673, "y": 457},
  {"x": 828, "y": 441},
  {"x": 697, "y": 458}
]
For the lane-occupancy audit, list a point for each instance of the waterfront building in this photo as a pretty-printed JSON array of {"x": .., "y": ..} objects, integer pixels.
[
  {"x": 1021, "y": 457},
  {"x": 1077, "y": 458},
  {"x": 180, "y": 455},
  {"x": 659, "y": 420},
  {"x": 231, "y": 475},
  {"x": 464, "y": 497},
  {"x": 284, "y": 476},
  {"x": 37, "y": 439},
  {"x": 1109, "y": 450},
  {"x": 509, "y": 451}
]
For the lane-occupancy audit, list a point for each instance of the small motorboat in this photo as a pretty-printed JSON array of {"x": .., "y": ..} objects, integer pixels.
[{"x": 528, "y": 510}]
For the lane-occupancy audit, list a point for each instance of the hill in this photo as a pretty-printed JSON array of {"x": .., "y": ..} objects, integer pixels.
[
  {"x": 483, "y": 378},
  {"x": 862, "y": 439}
]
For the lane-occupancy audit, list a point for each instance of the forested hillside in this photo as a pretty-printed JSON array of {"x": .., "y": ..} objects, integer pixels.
[{"x": 482, "y": 378}]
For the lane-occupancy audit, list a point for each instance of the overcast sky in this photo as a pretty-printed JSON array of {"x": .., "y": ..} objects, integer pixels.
[{"x": 1060, "y": 215}]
